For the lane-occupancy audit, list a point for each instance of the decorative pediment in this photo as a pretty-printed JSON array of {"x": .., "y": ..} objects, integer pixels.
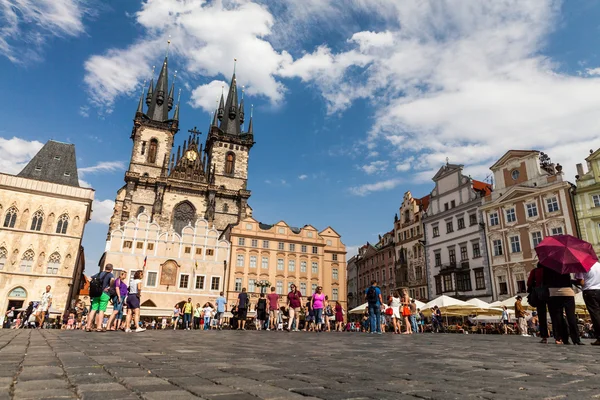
[{"x": 512, "y": 155}]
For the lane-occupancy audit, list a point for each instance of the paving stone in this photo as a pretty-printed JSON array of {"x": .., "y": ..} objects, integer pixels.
[
  {"x": 23, "y": 386},
  {"x": 46, "y": 394}
]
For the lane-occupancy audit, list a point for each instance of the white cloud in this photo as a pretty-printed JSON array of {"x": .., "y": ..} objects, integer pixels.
[
  {"x": 26, "y": 25},
  {"x": 102, "y": 211},
  {"x": 405, "y": 165},
  {"x": 205, "y": 38},
  {"x": 102, "y": 166},
  {"x": 460, "y": 79},
  {"x": 15, "y": 153},
  {"x": 375, "y": 167},
  {"x": 369, "y": 188},
  {"x": 84, "y": 111},
  {"x": 303, "y": 177},
  {"x": 207, "y": 96}
]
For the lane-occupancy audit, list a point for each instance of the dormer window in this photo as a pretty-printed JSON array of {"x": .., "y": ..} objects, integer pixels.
[
  {"x": 67, "y": 174},
  {"x": 57, "y": 158},
  {"x": 38, "y": 168}
]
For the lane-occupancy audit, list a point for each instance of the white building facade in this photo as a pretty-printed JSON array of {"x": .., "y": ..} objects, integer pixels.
[{"x": 457, "y": 262}]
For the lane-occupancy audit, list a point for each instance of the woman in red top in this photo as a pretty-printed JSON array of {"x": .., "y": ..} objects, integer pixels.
[
  {"x": 294, "y": 302},
  {"x": 339, "y": 317}
]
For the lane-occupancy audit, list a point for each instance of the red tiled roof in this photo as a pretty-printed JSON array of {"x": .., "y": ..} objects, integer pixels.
[
  {"x": 424, "y": 202},
  {"x": 486, "y": 188}
]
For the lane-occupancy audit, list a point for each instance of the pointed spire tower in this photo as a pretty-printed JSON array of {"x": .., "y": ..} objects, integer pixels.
[
  {"x": 250, "y": 127},
  {"x": 158, "y": 110},
  {"x": 230, "y": 124}
]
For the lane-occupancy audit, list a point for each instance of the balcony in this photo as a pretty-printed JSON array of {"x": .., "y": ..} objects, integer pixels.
[{"x": 448, "y": 267}]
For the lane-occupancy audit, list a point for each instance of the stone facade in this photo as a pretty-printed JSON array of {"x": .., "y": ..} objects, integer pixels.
[
  {"x": 376, "y": 262},
  {"x": 530, "y": 201},
  {"x": 41, "y": 227},
  {"x": 457, "y": 263},
  {"x": 354, "y": 298},
  {"x": 283, "y": 255},
  {"x": 178, "y": 266},
  {"x": 587, "y": 200},
  {"x": 411, "y": 269}
]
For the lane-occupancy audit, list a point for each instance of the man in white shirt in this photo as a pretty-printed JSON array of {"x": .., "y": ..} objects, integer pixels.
[
  {"x": 44, "y": 306},
  {"x": 591, "y": 296}
]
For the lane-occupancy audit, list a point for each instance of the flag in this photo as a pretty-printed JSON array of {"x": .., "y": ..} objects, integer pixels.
[
  {"x": 145, "y": 259},
  {"x": 196, "y": 263}
]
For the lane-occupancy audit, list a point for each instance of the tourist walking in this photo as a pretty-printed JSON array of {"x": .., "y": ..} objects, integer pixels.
[
  {"x": 99, "y": 296},
  {"x": 562, "y": 301},
  {"x": 221, "y": 304},
  {"x": 505, "y": 319},
  {"x": 309, "y": 316},
  {"x": 44, "y": 306},
  {"x": 261, "y": 312},
  {"x": 413, "y": 316},
  {"x": 591, "y": 295},
  {"x": 197, "y": 311},
  {"x": 187, "y": 309},
  {"x": 394, "y": 306},
  {"x": 133, "y": 302},
  {"x": 242, "y": 308},
  {"x": 175, "y": 318},
  {"x": 119, "y": 294},
  {"x": 405, "y": 300},
  {"x": 535, "y": 282},
  {"x": 521, "y": 316},
  {"x": 208, "y": 310},
  {"x": 10, "y": 315},
  {"x": 294, "y": 303},
  {"x": 374, "y": 300},
  {"x": 318, "y": 302},
  {"x": 339, "y": 317},
  {"x": 328, "y": 314},
  {"x": 273, "y": 298}
]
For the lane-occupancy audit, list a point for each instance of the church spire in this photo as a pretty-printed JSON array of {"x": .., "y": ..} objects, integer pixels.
[
  {"x": 241, "y": 111},
  {"x": 221, "y": 109},
  {"x": 150, "y": 89},
  {"x": 158, "y": 109},
  {"x": 250, "y": 127},
  {"x": 140, "y": 108},
  {"x": 176, "y": 114},
  {"x": 231, "y": 122},
  {"x": 171, "y": 92}
]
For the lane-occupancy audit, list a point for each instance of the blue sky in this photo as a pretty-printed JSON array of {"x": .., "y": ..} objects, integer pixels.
[{"x": 353, "y": 104}]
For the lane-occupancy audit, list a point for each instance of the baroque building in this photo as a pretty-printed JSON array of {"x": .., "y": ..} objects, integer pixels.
[
  {"x": 587, "y": 200},
  {"x": 201, "y": 187},
  {"x": 43, "y": 212},
  {"x": 281, "y": 255},
  {"x": 530, "y": 201},
  {"x": 411, "y": 269},
  {"x": 457, "y": 263}
]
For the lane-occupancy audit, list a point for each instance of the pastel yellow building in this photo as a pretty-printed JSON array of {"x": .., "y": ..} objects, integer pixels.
[
  {"x": 587, "y": 200},
  {"x": 43, "y": 214},
  {"x": 282, "y": 255}
]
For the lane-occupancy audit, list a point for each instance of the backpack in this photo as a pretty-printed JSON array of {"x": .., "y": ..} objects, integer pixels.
[
  {"x": 96, "y": 285},
  {"x": 372, "y": 295}
]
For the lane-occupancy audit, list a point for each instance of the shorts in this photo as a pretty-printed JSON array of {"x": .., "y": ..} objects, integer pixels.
[
  {"x": 133, "y": 301},
  {"x": 242, "y": 313},
  {"x": 505, "y": 322},
  {"x": 273, "y": 314},
  {"x": 218, "y": 315},
  {"x": 100, "y": 303}
]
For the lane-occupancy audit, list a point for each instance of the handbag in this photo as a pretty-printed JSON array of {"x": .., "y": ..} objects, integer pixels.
[
  {"x": 538, "y": 296},
  {"x": 389, "y": 311}
]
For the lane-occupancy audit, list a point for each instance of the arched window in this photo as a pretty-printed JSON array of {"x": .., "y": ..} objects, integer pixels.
[
  {"x": 3, "y": 254},
  {"x": 53, "y": 264},
  {"x": 37, "y": 220},
  {"x": 229, "y": 163},
  {"x": 183, "y": 214},
  {"x": 27, "y": 261},
  {"x": 62, "y": 224},
  {"x": 152, "y": 151},
  {"x": 140, "y": 210},
  {"x": 11, "y": 218}
]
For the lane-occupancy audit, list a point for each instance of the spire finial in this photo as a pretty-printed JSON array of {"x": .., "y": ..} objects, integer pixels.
[
  {"x": 447, "y": 161},
  {"x": 234, "y": 64},
  {"x": 168, "y": 46},
  {"x": 251, "y": 110},
  {"x": 243, "y": 90}
]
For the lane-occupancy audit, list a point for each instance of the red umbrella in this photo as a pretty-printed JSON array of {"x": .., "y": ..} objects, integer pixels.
[{"x": 566, "y": 254}]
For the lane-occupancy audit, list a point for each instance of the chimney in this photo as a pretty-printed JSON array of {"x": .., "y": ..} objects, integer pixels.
[{"x": 580, "y": 169}]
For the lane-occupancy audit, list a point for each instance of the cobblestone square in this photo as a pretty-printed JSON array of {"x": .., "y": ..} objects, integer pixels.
[{"x": 238, "y": 365}]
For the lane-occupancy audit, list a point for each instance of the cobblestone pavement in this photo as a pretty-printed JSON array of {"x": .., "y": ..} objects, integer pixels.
[{"x": 233, "y": 365}]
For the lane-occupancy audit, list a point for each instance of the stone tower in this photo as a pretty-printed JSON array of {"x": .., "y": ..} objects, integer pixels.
[{"x": 176, "y": 188}]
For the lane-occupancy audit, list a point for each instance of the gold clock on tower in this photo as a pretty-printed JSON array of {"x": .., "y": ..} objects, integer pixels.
[{"x": 191, "y": 155}]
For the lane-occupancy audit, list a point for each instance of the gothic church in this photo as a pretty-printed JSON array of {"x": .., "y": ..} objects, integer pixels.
[
  {"x": 177, "y": 189},
  {"x": 169, "y": 215}
]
